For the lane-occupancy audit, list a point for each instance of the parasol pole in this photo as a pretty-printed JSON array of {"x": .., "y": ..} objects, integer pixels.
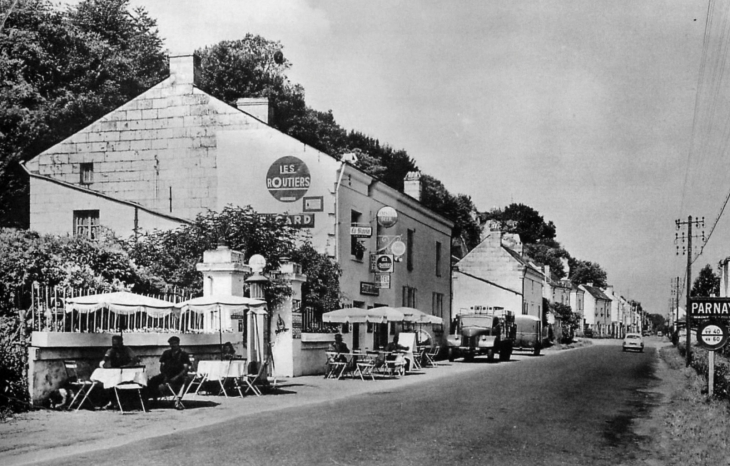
[{"x": 220, "y": 332}]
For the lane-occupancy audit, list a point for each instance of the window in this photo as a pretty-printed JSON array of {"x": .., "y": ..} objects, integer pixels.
[
  {"x": 87, "y": 173},
  {"x": 356, "y": 248},
  {"x": 437, "y": 305},
  {"x": 86, "y": 223},
  {"x": 409, "y": 250},
  {"x": 438, "y": 259},
  {"x": 409, "y": 296},
  {"x": 524, "y": 309}
]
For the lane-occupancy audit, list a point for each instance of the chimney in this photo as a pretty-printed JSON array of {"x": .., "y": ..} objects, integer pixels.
[
  {"x": 495, "y": 234},
  {"x": 257, "y": 107},
  {"x": 184, "y": 68},
  {"x": 412, "y": 185},
  {"x": 590, "y": 284},
  {"x": 546, "y": 268}
]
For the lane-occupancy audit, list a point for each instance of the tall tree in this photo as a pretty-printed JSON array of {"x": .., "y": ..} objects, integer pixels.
[
  {"x": 707, "y": 283},
  {"x": 584, "y": 272},
  {"x": 60, "y": 71}
]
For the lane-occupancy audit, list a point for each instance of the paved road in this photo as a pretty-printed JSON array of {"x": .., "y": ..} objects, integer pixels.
[{"x": 574, "y": 408}]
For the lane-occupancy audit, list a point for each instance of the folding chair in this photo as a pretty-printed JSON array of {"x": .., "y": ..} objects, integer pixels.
[
  {"x": 177, "y": 397},
  {"x": 129, "y": 386},
  {"x": 82, "y": 386},
  {"x": 252, "y": 377},
  {"x": 365, "y": 365},
  {"x": 397, "y": 366},
  {"x": 430, "y": 356},
  {"x": 334, "y": 367},
  {"x": 196, "y": 378}
]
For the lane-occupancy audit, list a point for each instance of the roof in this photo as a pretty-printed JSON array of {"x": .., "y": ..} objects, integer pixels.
[
  {"x": 521, "y": 259},
  {"x": 596, "y": 292}
]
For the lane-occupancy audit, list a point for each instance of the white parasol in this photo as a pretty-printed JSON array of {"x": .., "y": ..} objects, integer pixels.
[{"x": 376, "y": 315}]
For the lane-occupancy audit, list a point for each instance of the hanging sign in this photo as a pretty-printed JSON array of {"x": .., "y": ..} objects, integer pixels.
[
  {"x": 288, "y": 179},
  {"x": 712, "y": 335},
  {"x": 385, "y": 243},
  {"x": 398, "y": 248},
  {"x": 702, "y": 308},
  {"x": 384, "y": 263},
  {"x": 387, "y": 217}
]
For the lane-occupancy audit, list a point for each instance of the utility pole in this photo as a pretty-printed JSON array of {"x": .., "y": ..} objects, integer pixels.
[{"x": 698, "y": 223}]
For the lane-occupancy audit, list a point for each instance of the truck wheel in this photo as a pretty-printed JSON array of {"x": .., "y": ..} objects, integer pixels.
[
  {"x": 452, "y": 356},
  {"x": 490, "y": 354}
]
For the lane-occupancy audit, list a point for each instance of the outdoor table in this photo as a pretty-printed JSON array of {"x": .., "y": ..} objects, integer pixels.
[
  {"x": 113, "y": 377},
  {"x": 215, "y": 371}
]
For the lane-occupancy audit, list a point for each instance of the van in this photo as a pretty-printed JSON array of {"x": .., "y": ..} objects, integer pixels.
[{"x": 529, "y": 334}]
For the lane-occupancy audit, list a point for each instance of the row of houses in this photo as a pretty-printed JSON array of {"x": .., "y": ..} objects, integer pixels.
[
  {"x": 497, "y": 273},
  {"x": 175, "y": 151}
]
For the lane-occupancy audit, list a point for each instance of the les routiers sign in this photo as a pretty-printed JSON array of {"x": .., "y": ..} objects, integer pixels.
[{"x": 702, "y": 308}]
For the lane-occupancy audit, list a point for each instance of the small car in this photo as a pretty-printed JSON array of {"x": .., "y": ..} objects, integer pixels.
[{"x": 634, "y": 342}]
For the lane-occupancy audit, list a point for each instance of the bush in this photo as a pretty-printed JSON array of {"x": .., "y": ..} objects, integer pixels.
[{"x": 13, "y": 383}]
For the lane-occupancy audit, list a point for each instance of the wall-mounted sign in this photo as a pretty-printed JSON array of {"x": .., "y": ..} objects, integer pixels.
[
  {"x": 712, "y": 335},
  {"x": 709, "y": 308},
  {"x": 372, "y": 262},
  {"x": 398, "y": 248},
  {"x": 385, "y": 242},
  {"x": 313, "y": 204},
  {"x": 387, "y": 217},
  {"x": 384, "y": 263},
  {"x": 370, "y": 289},
  {"x": 361, "y": 232},
  {"x": 383, "y": 280},
  {"x": 294, "y": 220},
  {"x": 288, "y": 179}
]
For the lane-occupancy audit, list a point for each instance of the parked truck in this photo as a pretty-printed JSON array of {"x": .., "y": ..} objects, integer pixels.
[
  {"x": 529, "y": 334},
  {"x": 486, "y": 331}
]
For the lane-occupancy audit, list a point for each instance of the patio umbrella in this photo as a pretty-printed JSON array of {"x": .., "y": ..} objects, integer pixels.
[
  {"x": 121, "y": 303},
  {"x": 220, "y": 304},
  {"x": 419, "y": 317},
  {"x": 355, "y": 315}
]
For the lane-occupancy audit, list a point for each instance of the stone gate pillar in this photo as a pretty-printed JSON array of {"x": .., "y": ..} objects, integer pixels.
[{"x": 285, "y": 333}]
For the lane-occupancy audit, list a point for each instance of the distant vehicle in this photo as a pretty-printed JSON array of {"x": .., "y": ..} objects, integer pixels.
[
  {"x": 633, "y": 342},
  {"x": 588, "y": 333},
  {"x": 659, "y": 334},
  {"x": 647, "y": 333}
]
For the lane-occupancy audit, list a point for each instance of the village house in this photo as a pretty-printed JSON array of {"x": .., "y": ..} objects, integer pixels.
[
  {"x": 597, "y": 310},
  {"x": 496, "y": 275},
  {"x": 577, "y": 304}
]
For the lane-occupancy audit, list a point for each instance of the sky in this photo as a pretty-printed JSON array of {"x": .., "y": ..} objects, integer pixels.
[{"x": 608, "y": 117}]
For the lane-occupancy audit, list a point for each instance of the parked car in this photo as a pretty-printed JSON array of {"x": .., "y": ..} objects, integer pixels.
[
  {"x": 634, "y": 342},
  {"x": 659, "y": 334}
]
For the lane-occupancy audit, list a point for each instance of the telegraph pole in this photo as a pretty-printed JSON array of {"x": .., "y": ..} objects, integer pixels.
[{"x": 689, "y": 223}]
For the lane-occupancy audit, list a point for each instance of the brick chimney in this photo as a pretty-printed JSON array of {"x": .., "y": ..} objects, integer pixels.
[
  {"x": 184, "y": 68},
  {"x": 495, "y": 234},
  {"x": 257, "y": 107},
  {"x": 412, "y": 185}
]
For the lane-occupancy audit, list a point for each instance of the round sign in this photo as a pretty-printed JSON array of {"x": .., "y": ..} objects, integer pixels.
[
  {"x": 387, "y": 217},
  {"x": 398, "y": 248},
  {"x": 257, "y": 262},
  {"x": 712, "y": 335},
  {"x": 288, "y": 179},
  {"x": 384, "y": 263}
]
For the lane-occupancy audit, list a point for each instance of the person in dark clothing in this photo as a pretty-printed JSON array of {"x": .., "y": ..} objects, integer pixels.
[
  {"x": 118, "y": 355},
  {"x": 174, "y": 367}
]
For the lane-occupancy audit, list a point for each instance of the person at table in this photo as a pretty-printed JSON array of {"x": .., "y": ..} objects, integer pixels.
[
  {"x": 228, "y": 351},
  {"x": 174, "y": 367},
  {"x": 340, "y": 347},
  {"x": 390, "y": 350},
  {"x": 119, "y": 355}
]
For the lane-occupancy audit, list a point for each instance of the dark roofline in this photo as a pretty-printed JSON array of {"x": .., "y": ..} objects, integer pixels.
[
  {"x": 105, "y": 196},
  {"x": 597, "y": 293}
]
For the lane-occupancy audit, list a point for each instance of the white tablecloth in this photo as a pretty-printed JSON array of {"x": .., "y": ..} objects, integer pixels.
[{"x": 110, "y": 378}]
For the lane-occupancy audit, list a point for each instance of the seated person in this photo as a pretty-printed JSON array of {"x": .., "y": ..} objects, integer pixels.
[
  {"x": 338, "y": 346},
  {"x": 174, "y": 367},
  {"x": 391, "y": 348},
  {"x": 119, "y": 355},
  {"x": 228, "y": 351}
]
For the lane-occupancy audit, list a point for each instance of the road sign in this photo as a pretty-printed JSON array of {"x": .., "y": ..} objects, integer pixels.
[
  {"x": 398, "y": 248},
  {"x": 712, "y": 335},
  {"x": 384, "y": 263},
  {"x": 709, "y": 308}
]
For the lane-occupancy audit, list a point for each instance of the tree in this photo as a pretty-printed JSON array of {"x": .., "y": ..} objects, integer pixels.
[
  {"x": 61, "y": 71},
  {"x": 707, "y": 283},
  {"x": 525, "y": 221},
  {"x": 569, "y": 321},
  {"x": 460, "y": 209},
  {"x": 584, "y": 272}
]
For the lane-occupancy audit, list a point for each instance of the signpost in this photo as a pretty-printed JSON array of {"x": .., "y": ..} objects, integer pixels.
[{"x": 712, "y": 334}]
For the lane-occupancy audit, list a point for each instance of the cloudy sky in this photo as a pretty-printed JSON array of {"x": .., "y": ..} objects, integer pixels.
[{"x": 606, "y": 116}]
